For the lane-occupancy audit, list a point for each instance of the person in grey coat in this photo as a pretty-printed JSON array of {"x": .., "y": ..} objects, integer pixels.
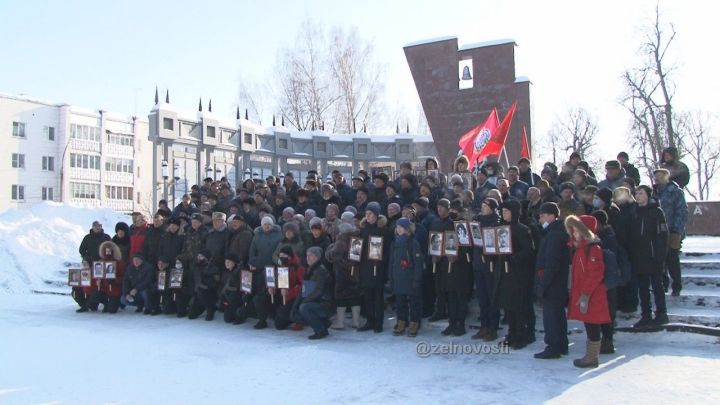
[
  {"x": 406, "y": 273},
  {"x": 265, "y": 240}
]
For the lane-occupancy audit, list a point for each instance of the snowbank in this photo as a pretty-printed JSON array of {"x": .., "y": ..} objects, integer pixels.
[{"x": 37, "y": 244}]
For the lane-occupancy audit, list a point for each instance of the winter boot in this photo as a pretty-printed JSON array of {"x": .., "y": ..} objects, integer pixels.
[
  {"x": 449, "y": 330},
  {"x": 261, "y": 324},
  {"x": 459, "y": 329},
  {"x": 547, "y": 354},
  {"x": 438, "y": 316},
  {"x": 606, "y": 346},
  {"x": 82, "y": 309},
  {"x": 590, "y": 360},
  {"x": 481, "y": 333},
  {"x": 368, "y": 326},
  {"x": 661, "y": 319},
  {"x": 339, "y": 319},
  {"x": 399, "y": 329},
  {"x": 491, "y": 335},
  {"x": 414, "y": 326},
  {"x": 643, "y": 322},
  {"x": 319, "y": 335},
  {"x": 355, "y": 316}
]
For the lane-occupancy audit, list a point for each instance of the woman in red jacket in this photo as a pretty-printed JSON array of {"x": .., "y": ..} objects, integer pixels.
[
  {"x": 588, "y": 297},
  {"x": 108, "y": 291},
  {"x": 283, "y": 298}
]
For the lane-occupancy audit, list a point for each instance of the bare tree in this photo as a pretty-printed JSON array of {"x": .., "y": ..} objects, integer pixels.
[
  {"x": 649, "y": 92},
  {"x": 703, "y": 150},
  {"x": 357, "y": 77},
  {"x": 573, "y": 132},
  {"x": 252, "y": 96}
]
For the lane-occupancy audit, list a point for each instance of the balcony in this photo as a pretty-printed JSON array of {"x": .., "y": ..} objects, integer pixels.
[
  {"x": 125, "y": 179},
  {"x": 84, "y": 174},
  {"x": 84, "y": 145},
  {"x": 85, "y": 202},
  {"x": 118, "y": 150},
  {"x": 119, "y": 205}
]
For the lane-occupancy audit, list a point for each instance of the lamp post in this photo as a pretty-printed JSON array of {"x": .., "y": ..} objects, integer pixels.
[
  {"x": 247, "y": 173},
  {"x": 165, "y": 176}
]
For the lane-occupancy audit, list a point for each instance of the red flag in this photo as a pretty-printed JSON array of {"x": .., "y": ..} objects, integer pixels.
[
  {"x": 475, "y": 140},
  {"x": 525, "y": 146},
  {"x": 497, "y": 141}
]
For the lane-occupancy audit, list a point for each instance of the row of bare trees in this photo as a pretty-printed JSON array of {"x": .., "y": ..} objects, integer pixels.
[{"x": 649, "y": 91}]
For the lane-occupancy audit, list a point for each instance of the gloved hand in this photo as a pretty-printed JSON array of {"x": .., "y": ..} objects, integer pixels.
[
  {"x": 583, "y": 303},
  {"x": 675, "y": 241}
]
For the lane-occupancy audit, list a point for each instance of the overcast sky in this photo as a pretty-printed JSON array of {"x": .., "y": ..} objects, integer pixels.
[{"x": 111, "y": 55}]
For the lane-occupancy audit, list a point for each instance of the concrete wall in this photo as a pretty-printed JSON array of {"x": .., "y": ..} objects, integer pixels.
[{"x": 704, "y": 218}]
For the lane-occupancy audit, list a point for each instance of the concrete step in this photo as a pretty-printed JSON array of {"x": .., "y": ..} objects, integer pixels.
[
  {"x": 701, "y": 278},
  {"x": 692, "y": 316}
]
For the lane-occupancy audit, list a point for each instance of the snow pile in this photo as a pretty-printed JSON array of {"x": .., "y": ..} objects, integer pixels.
[{"x": 37, "y": 244}]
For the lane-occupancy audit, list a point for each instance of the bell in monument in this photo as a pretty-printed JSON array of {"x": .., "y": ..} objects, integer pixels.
[{"x": 466, "y": 73}]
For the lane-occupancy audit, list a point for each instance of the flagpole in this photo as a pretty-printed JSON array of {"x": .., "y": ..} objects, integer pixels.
[{"x": 507, "y": 162}]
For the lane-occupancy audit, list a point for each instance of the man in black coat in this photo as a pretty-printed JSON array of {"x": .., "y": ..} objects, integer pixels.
[
  {"x": 551, "y": 281},
  {"x": 314, "y": 307},
  {"x": 90, "y": 252},
  {"x": 137, "y": 282},
  {"x": 374, "y": 273},
  {"x": 630, "y": 170}
]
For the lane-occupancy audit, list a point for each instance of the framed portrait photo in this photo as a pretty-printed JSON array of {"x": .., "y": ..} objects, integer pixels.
[
  {"x": 74, "y": 277},
  {"x": 283, "y": 277},
  {"x": 162, "y": 280},
  {"x": 85, "y": 278},
  {"x": 420, "y": 174},
  {"x": 246, "y": 281},
  {"x": 356, "y": 246},
  {"x": 476, "y": 234},
  {"x": 434, "y": 173},
  {"x": 98, "y": 270},
  {"x": 270, "y": 276},
  {"x": 503, "y": 239},
  {"x": 489, "y": 241},
  {"x": 110, "y": 270},
  {"x": 463, "y": 233},
  {"x": 450, "y": 244},
  {"x": 435, "y": 247},
  {"x": 176, "y": 277},
  {"x": 467, "y": 178},
  {"x": 375, "y": 250}
]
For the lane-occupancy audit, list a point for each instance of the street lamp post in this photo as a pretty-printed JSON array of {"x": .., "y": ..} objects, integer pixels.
[{"x": 165, "y": 176}]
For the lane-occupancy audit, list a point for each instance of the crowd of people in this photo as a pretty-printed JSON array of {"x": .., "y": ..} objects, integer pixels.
[{"x": 582, "y": 247}]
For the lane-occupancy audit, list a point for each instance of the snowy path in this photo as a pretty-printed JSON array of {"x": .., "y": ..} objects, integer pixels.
[{"x": 48, "y": 353}]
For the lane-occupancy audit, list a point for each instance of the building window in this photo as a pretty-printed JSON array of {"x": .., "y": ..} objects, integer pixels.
[
  {"x": 18, "y": 192},
  {"x": 138, "y": 197},
  {"x": 247, "y": 138},
  {"x": 362, "y": 148},
  {"x": 211, "y": 132},
  {"x": 168, "y": 124},
  {"x": 49, "y": 133},
  {"x": 405, "y": 149},
  {"x": 84, "y": 132},
  {"x": 19, "y": 129},
  {"x": 84, "y": 161},
  {"x": 18, "y": 160},
  {"x": 119, "y": 139},
  {"x": 85, "y": 190},
  {"x": 119, "y": 165},
  {"x": 47, "y": 193},
  {"x": 48, "y": 163},
  {"x": 321, "y": 147},
  {"x": 282, "y": 143},
  {"x": 119, "y": 193}
]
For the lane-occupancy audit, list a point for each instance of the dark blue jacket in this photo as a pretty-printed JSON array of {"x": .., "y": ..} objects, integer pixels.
[
  {"x": 406, "y": 280},
  {"x": 552, "y": 264},
  {"x": 138, "y": 278}
]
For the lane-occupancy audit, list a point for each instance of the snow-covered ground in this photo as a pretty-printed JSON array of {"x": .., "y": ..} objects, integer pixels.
[{"x": 50, "y": 354}]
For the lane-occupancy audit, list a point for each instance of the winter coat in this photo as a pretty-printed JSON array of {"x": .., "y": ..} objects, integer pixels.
[
  {"x": 679, "y": 172},
  {"x": 551, "y": 264},
  {"x": 230, "y": 282},
  {"x": 570, "y": 207},
  {"x": 481, "y": 262},
  {"x": 187, "y": 209},
  {"x": 347, "y": 273},
  {"x": 623, "y": 224},
  {"x": 516, "y": 270},
  {"x": 113, "y": 288},
  {"x": 216, "y": 242},
  {"x": 194, "y": 243},
  {"x": 530, "y": 178},
  {"x": 90, "y": 245},
  {"x": 632, "y": 172},
  {"x": 138, "y": 278},
  {"x": 612, "y": 184},
  {"x": 296, "y": 274},
  {"x": 648, "y": 239},
  {"x": 206, "y": 276},
  {"x": 320, "y": 276},
  {"x": 672, "y": 202},
  {"x": 322, "y": 242},
  {"x": 171, "y": 245},
  {"x": 261, "y": 253},
  {"x": 406, "y": 266},
  {"x": 587, "y": 275},
  {"x": 519, "y": 190},
  {"x": 296, "y": 244},
  {"x": 151, "y": 244},
  {"x": 137, "y": 239},
  {"x": 481, "y": 193},
  {"x": 239, "y": 244},
  {"x": 374, "y": 274},
  {"x": 124, "y": 245}
]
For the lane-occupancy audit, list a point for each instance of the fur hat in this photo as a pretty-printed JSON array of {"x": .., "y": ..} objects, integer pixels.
[
  {"x": 267, "y": 220},
  {"x": 345, "y": 228},
  {"x": 116, "y": 253},
  {"x": 568, "y": 185},
  {"x": 316, "y": 222},
  {"x": 550, "y": 208},
  {"x": 292, "y": 227},
  {"x": 605, "y": 194},
  {"x": 347, "y": 216}
]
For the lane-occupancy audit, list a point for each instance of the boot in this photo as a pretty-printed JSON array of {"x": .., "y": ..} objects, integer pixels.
[
  {"x": 547, "y": 354},
  {"x": 355, "y": 316},
  {"x": 399, "y": 328},
  {"x": 491, "y": 335},
  {"x": 606, "y": 346},
  {"x": 414, "y": 326},
  {"x": 261, "y": 324},
  {"x": 661, "y": 319},
  {"x": 368, "y": 326},
  {"x": 643, "y": 322},
  {"x": 590, "y": 360},
  {"x": 82, "y": 309},
  {"x": 459, "y": 329},
  {"x": 481, "y": 333},
  {"x": 210, "y": 315},
  {"x": 449, "y": 330},
  {"x": 339, "y": 319}
]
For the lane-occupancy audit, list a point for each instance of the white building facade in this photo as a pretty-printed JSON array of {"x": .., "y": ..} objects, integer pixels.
[{"x": 63, "y": 153}]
